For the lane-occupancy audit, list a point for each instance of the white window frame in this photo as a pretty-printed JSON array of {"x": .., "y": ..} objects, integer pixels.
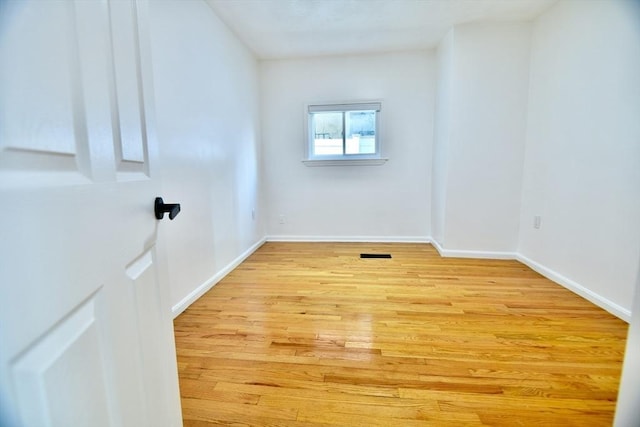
[{"x": 343, "y": 159}]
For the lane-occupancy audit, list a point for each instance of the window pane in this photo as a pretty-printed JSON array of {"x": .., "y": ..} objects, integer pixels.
[
  {"x": 327, "y": 133},
  {"x": 361, "y": 132}
]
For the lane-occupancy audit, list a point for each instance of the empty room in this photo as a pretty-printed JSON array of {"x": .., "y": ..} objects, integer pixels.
[{"x": 320, "y": 213}]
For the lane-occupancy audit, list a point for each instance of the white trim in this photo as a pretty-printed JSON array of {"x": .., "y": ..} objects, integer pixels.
[
  {"x": 203, "y": 288},
  {"x": 345, "y": 159},
  {"x": 457, "y": 253},
  {"x": 345, "y": 106},
  {"x": 436, "y": 245},
  {"x": 345, "y": 162},
  {"x": 575, "y": 287},
  {"x": 351, "y": 239},
  {"x": 550, "y": 274}
]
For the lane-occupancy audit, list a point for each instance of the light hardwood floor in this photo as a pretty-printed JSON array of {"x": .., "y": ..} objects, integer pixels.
[{"x": 310, "y": 334}]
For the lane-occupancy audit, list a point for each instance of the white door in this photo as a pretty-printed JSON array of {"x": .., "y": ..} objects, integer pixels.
[{"x": 86, "y": 336}]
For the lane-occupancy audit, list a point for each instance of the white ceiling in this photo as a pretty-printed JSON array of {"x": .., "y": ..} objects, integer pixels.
[{"x": 303, "y": 28}]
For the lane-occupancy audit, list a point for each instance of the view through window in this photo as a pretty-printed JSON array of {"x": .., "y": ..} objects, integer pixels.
[{"x": 344, "y": 130}]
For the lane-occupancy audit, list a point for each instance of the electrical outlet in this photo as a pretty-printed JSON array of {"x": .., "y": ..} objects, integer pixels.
[
  {"x": 281, "y": 219},
  {"x": 536, "y": 221}
]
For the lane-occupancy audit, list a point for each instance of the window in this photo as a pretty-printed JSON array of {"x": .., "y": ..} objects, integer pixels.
[{"x": 344, "y": 132}]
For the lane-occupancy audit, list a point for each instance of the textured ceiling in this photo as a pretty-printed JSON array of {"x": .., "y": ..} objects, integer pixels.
[{"x": 303, "y": 28}]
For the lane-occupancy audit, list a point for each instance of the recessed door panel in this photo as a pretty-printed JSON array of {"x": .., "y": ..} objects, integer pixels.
[
  {"x": 130, "y": 152},
  {"x": 60, "y": 380},
  {"x": 40, "y": 130},
  {"x": 142, "y": 274},
  {"x": 36, "y": 78}
]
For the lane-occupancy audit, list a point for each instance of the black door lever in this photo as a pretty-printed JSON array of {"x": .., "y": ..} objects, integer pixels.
[{"x": 160, "y": 207}]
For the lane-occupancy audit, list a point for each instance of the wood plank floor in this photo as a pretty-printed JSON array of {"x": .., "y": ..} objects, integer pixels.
[{"x": 309, "y": 334}]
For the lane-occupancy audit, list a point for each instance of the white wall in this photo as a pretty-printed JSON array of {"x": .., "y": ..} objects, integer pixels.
[
  {"x": 208, "y": 127},
  {"x": 580, "y": 173},
  {"x": 441, "y": 134},
  {"x": 485, "y": 99},
  {"x": 390, "y": 201},
  {"x": 582, "y": 167}
]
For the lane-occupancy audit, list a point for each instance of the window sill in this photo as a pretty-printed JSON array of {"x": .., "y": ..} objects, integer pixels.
[{"x": 344, "y": 162}]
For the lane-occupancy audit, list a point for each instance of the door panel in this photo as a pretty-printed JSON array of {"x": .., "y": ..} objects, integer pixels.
[
  {"x": 129, "y": 130},
  {"x": 65, "y": 364},
  {"x": 38, "y": 122},
  {"x": 86, "y": 335},
  {"x": 37, "y": 77},
  {"x": 142, "y": 274}
]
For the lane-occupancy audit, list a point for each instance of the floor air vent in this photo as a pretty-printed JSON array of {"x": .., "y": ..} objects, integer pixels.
[{"x": 375, "y": 255}]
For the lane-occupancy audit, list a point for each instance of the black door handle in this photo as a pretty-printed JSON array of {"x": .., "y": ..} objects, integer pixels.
[{"x": 160, "y": 207}]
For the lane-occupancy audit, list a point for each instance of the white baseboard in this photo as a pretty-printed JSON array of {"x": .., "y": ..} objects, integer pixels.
[
  {"x": 550, "y": 274},
  {"x": 203, "y": 288},
  {"x": 456, "y": 253},
  {"x": 351, "y": 239},
  {"x": 575, "y": 287}
]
